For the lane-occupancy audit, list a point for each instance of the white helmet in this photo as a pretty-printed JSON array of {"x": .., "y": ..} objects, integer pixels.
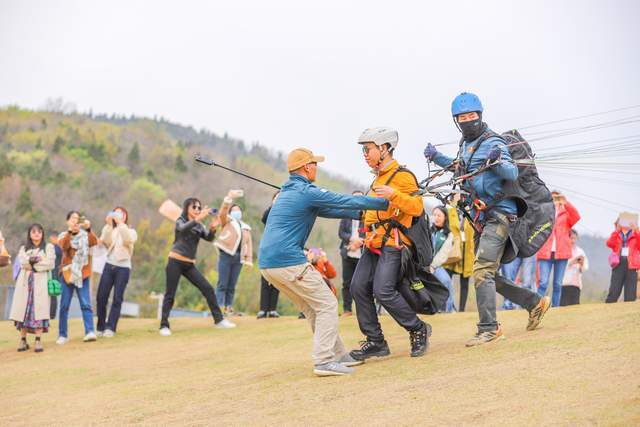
[{"x": 380, "y": 136}]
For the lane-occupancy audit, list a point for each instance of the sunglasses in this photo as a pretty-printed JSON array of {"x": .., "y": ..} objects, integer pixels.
[{"x": 366, "y": 149}]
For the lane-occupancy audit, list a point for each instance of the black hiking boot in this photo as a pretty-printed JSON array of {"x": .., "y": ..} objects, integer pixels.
[
  {"x": 420, "y": 340},
  {"x": 371, "y": 349}
]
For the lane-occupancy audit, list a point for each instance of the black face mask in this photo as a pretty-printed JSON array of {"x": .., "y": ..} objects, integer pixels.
[{"x": 471, "y": 130}]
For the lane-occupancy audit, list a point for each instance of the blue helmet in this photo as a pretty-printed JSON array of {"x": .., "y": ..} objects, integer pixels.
[{"x": 465, "y": 103}]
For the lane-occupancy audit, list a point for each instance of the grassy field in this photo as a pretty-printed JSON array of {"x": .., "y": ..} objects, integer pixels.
[{"x": 582, "y": 367}]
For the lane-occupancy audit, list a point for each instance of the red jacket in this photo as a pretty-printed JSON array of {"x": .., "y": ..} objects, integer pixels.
[
  {"x": 615, "y": 243},
  {"x": 566, "y": 217}
]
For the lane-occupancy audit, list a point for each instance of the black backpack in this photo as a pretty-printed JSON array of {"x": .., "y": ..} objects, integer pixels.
[
  {"x": 536, "y": 211},
  {"x": 421, "y": 289}
]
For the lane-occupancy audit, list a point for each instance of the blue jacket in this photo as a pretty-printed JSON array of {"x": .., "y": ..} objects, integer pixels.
[
  {"x": 486, "y": 184},
  {"x": 295, "y": 211}
]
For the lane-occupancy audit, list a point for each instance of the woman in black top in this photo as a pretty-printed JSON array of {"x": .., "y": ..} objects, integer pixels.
[
  {"x": 268, "y": 294},
  {"x": 182, "y": 257}
]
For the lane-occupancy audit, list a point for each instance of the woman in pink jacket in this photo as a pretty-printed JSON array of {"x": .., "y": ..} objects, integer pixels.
[{"x": 556, "y": 252}]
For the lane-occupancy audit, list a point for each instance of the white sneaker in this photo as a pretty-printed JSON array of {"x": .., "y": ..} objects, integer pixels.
[
  {"x": 99, "y": 334},
  {"x": 62, "y": 340},
  {"x": 225, "y": 324},
  {"x": 108, "y": 333},
  {"x": 91, "y": 336},
  {"x": 165, "y": 332}
]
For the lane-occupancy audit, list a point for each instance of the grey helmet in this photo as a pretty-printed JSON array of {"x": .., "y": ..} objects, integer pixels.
[{"x": 380, "y": 136}]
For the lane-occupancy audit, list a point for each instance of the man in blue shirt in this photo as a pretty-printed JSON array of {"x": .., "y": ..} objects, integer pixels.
[
  {"x": 284, "y": 265},
  {"x": 479, "y": 147}
]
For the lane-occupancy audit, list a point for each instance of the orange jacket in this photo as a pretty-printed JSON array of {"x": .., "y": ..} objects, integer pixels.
[{"x": 402, "y": 207}]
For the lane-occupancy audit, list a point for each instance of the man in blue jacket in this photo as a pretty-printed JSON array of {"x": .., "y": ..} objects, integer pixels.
[
  {"x": 284, "y": 265},
  {"x": 479, "y": 147}
]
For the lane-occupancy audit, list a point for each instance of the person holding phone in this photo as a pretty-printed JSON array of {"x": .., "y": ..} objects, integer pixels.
[
  {"x": 555, "y": 253},
  {"x": 189, "y": 230},
  {"x": 75, "y": 272},
  {"x": 624, "y": 260},
  {"x": 119, "y": 239},
  {"x": 235, "y": 247},
  {"x": 577, "y": 264},
  {"x": 30, "y": 304}
]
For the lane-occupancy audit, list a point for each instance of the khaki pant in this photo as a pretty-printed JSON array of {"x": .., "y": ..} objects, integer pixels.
[{"x": 312, "y": 296}]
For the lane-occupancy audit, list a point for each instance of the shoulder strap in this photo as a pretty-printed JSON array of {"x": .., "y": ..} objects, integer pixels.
[{"x": 486, "y": 135}]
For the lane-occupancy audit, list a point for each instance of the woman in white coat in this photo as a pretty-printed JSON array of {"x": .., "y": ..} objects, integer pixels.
[{"x": 30, "y": 305}]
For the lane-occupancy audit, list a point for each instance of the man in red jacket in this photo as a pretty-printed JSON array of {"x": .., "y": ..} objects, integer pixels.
[
  {"x": 556, "y": 252},
  {"x": 625, "y": 261}
]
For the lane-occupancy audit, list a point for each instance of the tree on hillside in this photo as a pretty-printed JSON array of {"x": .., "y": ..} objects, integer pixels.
[
  {"x": 58, "y": 144},
  {"x": 6, "y": 167},
  {"x": 180, "y": 166},
  {"x": 134, "y": 155},
  {"x": 24, "y": 203}
]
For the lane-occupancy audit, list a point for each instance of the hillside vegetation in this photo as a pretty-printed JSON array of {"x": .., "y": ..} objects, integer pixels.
[
  {"x": 51, "y": 163},
  {"x": 579, "y": 369}
]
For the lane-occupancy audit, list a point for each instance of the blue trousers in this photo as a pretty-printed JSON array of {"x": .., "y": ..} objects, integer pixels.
[
  {"x": 229, "y": 267},
  {"x": 558, "y": 266},
  {"x": 527, "y": 267},
  {"x": 84, "y": 296},
  {"x": 444, "y": 278}
]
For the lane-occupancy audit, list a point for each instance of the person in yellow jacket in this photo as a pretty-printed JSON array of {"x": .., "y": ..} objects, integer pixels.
[
  {"x": 463, "y": 236},
  {"x": 378, "y": 270}
]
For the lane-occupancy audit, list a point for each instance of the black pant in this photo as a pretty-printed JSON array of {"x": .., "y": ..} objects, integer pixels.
[
  {"x": 53, "y": 307},
  {"x": 174, "y": 270},
  {"x": 464, "y": 290},
  {"x": 348, "y": 268},
  {"x": 622, "y": 277},
  {"x": 377, "y": 276},
  {"x": 268, "y": 296},
  {"x": 570, "y": 296},
  {"x": 112, "y": 277}
]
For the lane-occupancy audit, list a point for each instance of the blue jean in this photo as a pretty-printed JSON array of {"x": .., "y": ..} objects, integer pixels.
[
  {"x": 84, "y": 296},
  {"x": 444, "y": 278},
  {"x": 112, "y": 277},
  {"x": 528, "y": 276},
  {"x": 229, "y": 267},
  {"x": 559, "y": 266}
]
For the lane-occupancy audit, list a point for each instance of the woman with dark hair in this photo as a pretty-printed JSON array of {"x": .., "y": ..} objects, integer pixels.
[
  {"x": 75, "y": 271},
  {"x": 442, "y": 239},
  {"x": 119, "y": 239},
  {"x": 234, "y": 244},
  {"x": 30, "y": 305},
  {"x": 182, "y": 258},
  {"x": 268, "y": 293}
]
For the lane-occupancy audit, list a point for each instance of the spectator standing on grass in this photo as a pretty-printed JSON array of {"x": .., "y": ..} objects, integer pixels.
[
  {"x": 526, "y": 268},
  {"x": 119, "y": 239},
  {"x": 75, "y": 269},
  {"x": 268, "y": 293},
  {"x": 624, "y": 260},
  {"x": 351, "y": 243},
  {"x": 189, "y": 230},
  {"x": 55, "y": 273},
  {"x": 555, "y": 253},
  {"x": 463, "y": 235},
  {"x": 578, "y": 264},
  {"x": 235, "y": 247},
  {"x": 442, "y": 239},
  {"x": 30, "y": 304}
]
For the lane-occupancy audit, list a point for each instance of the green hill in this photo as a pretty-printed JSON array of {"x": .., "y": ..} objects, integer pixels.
[
  {"x": 51, "y": 163},
  {"x": 579, "y": 369}
]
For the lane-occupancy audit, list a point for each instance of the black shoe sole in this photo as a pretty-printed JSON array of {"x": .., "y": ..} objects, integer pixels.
[{"x": 382, "y": 353}]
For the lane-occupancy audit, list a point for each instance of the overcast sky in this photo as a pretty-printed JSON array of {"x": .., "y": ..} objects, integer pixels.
[{"x": 293, "y": 73}]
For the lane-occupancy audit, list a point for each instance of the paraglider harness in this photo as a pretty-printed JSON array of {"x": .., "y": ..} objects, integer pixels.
[
  {"x": 417, "y": 285},
  {"x": 530, "y": 228}
]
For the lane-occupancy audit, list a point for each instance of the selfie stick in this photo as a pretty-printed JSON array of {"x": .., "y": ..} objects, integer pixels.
[{"x": 209, "y": 162}]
